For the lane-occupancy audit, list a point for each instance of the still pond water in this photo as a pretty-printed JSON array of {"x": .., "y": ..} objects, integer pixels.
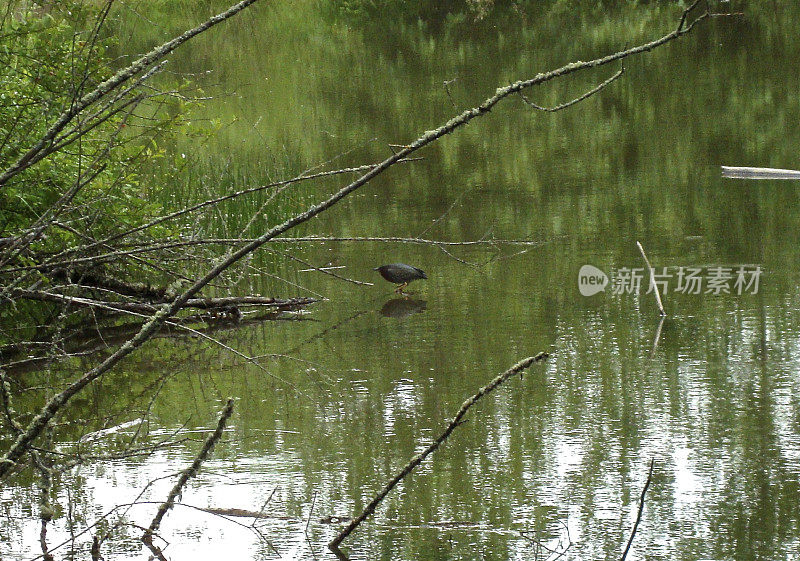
[{"x": 346, "y": 396}]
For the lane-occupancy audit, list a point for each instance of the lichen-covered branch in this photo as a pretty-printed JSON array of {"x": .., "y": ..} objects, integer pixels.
[
  {"x": 190, "y": 472},
  {"x": 416, "y": 460}
]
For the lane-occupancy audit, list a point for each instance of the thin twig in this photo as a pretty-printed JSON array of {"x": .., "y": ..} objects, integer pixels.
[
  {"x": 324, "y": 270},
  {"x": 311, "y": 510},
  {"x": 396, "y": 239},
  {"x": 577, "y": 99}
]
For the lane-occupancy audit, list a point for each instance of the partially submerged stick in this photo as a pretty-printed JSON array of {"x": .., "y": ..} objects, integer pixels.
[
  {"x": 189, "y": 473},
  {"x": 416, "y": 460},
  {"x": 639, "y": 515},
  {"x": 653, "y": 284},
  {"x": 657, "y": 337}
]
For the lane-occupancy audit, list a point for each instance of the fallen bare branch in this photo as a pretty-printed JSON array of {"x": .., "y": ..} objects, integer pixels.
[
  {"x": 187, "y": 474},
  {"x": 416, "y": 460},
  {"x": 759, "y": 173}
]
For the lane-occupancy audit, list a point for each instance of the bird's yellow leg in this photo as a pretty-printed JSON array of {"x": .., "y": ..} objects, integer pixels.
[{"x": 400, "y": 288}]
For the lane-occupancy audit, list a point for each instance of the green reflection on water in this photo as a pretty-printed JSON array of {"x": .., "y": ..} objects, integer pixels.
[{"x": 716, "y": 403}]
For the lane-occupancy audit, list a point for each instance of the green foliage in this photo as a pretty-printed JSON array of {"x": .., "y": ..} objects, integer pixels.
[
  {"x": 47, "y": 60},
  {"x": 445, "y": 15},
  {"x": 436, "y": 14}
]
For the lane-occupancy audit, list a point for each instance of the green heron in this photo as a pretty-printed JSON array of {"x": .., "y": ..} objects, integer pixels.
[{"x": 400, "y": 273}]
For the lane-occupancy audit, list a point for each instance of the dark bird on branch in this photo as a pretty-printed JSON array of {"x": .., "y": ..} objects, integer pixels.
[{"x": 400, "y": 273}]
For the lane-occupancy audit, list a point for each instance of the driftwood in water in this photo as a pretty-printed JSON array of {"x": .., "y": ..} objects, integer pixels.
[{"x": 759, "y": 173}]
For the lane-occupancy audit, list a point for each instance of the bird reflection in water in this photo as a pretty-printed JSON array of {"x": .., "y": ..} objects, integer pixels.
[{"x": 403, "y": 307}]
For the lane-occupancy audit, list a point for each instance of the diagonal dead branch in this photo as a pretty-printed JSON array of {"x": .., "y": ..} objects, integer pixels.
[
  {"x": 416, "y": 460},
  {"x": 639, "y": 515},
  {"x": 190, "y": 472}
]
